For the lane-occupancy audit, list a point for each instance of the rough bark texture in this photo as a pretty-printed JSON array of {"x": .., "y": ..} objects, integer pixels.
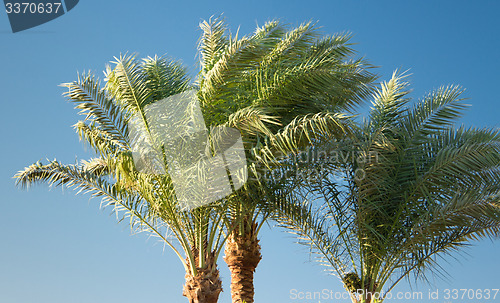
[
  {"x": 242, "y": 255},
  {"x": 205, "y": 286}
]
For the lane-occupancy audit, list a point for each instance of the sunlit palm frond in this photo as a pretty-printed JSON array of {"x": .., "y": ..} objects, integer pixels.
[
  {"x": 294, "y": 43},
  {"x": 97, "y": 166},
  {"x": 212, "y": 42},
  {"x": 99, "y": 140},
  {"x": 438, "y": 111},
  {"x": 302, "y": 132},
  {"x": 164, "y": 77},
  {"x": 252, "y": 121},
  {"x": 127, "y": 83},
  {"x": 389, "y": 100},
  {"x": 315, "y": 85},
  {"x": 84, "y": 180},
  {"x": 332, "y": 48},
  {"x": 99, "y": 108},
  {"x": 273, "y": 30}
]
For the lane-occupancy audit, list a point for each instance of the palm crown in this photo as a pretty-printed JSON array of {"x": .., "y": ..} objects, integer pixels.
[
  {"x": 284, "y": 90},
  {"x": 406, "y": 187},
  {"x": 281, "y": 88}
]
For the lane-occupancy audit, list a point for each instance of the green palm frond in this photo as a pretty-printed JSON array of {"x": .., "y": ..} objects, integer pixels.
[
  {"x": 287, "y": 71},
  {"x": 313, "y": 87},
  {"x": 293, "y": 43},
  {"x": 467, "y": 156},
  {"x": 438, "y": 111},
  {"x": 300, "y": 133},
  {"x": 164, "y": 77},
  {"x": 271, "y": 29},
  {"x": 390, "y": 100},
  {"x": 239, "y": 55},
  {"x": 99, "y": 108},
  {"x": 127, "y": 83},
  {"x": 99, "y": 140},
  {"x": 464, "y": 164},
  {"x": 252, "y": 121},
  {"x": 212, "y": 42},
  {"x": 228, "y": 79},
  {"x": 469, "y": 215},
  {"x": 320, "y": 78},
  {"x": 332, "y": 48},
  {"x": 84, "y": 180}
]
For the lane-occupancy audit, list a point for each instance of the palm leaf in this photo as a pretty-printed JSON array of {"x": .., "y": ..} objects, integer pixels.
[{"x": 99, "y": 108}]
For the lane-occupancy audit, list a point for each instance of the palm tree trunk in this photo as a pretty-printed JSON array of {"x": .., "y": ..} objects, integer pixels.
[
  {"x": 242, "y": 255},
  {"x": 359, "y": 293},
  {"x": 206, "y": 285}
]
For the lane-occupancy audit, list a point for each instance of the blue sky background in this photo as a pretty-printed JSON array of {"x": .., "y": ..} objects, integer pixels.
[{"x": 58, "y": 248}]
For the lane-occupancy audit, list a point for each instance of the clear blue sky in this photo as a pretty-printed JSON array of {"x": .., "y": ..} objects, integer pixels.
[{"x": 58, "y": 248}]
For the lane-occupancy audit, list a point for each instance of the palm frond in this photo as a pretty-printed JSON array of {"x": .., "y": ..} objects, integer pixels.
[
  {"x": 334, "y": 48},
  {"x": 141, "y": 204},
  {"x": 127, "y": 83},
  {"x": 427, "y": 189},
  {"x": 97, "y": 166},
  {"x": 99, "y": 108},
  {"x": 293, "y": 43},
  {"x": 438, "y": 111},
  {"x": 271, "y": 29},
  {"x": 467, "y": 164},
  {"x": 98, "y": 139},
  {"x": 390, "y": 100},
  {"x": 164, "y": 77},
  {"x": 252, "y": 120},
  {"x": 470, "y": 215},
  {"x": 300, "y": 133},
  {"x": 212, "y": 42}
]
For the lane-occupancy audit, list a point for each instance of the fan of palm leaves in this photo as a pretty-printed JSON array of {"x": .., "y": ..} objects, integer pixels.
[
  {"x": 283, "y": 88},
  {"x": 426, "y": 189}
]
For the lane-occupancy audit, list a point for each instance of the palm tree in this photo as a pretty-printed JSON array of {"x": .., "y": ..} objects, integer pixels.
[
  {"x": 148, "y": 200},
  {"x": 405, "y": 188},
  {"x": 283, "y": 88}
]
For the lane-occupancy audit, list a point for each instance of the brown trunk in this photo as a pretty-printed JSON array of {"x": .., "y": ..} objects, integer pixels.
[
  {"x": 205, "y": 286},
  {"x": 358, "y": 292},
  {"x": 242, "y": 255}
]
